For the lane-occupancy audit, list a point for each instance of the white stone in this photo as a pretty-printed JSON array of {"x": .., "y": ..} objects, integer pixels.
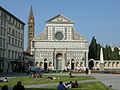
[{"x": 71, "y": 47}]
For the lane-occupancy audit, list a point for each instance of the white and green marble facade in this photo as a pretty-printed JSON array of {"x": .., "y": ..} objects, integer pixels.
[{"x": 59, "y": 46}]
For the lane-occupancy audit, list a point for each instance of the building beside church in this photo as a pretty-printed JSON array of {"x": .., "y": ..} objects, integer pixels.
[
  {"x": 28, "y": 60},
  {"x": 59, "y": 47},
  {"x": 11, "y": 41}
]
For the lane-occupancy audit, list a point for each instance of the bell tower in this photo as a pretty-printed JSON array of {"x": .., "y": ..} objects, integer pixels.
[{"x": 31, "y": 25}]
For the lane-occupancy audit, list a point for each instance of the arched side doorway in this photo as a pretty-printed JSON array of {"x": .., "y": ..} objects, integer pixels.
[
  {"x": 59, "y": 61},
  {"x": 41, "y": 63},
  {"x": 118, "y": 64},
  {"x": 91, "y": 64},
  {"x": 45, "y": 65},
  {"x": 36, "y": 63}
]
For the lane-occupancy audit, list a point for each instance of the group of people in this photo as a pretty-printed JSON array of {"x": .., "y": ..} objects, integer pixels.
[
  {"x": 36, "y": 75},
  {"x": 18, "y": 86},
  {"x": 64, "y": 86}
]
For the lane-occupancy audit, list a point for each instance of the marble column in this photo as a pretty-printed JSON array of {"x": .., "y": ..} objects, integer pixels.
[{"x": 86, "y": 62}]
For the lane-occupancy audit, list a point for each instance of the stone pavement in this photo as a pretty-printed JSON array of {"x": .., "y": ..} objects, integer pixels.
[{"x": 109, "y": 79}]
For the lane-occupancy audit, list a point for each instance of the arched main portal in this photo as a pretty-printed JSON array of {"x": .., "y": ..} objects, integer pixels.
[
  {"x": 91, "y": 64},
  {"x": 59, "y": 61}
]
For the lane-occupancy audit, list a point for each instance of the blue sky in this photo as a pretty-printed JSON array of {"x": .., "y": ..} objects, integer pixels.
[{"x": 99, "y": 18}]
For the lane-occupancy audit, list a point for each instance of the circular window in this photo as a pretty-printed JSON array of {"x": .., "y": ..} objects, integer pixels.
[{"x": 59, "y": 35}]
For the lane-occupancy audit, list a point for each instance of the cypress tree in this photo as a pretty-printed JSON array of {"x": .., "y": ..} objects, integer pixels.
[
  {"x": 98, "y": 52},
  {"x": 92, "y": 49},
  {"x": 109, "y": 53},
  {"x": 116, "y": 54}
]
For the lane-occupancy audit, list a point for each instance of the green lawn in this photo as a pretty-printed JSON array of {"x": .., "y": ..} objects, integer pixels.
[
  {"x": 82, "y": 86},
  {"x": 26, "y": 80}
]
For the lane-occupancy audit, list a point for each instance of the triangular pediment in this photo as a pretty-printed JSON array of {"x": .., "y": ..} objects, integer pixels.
[{"x": 60, "y": 19}]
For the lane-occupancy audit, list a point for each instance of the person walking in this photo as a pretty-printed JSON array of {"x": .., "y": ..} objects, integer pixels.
[{"x": 87, "y": 71}]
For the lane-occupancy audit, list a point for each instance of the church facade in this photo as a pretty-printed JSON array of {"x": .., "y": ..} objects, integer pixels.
[{"x": 59, "y": 47}]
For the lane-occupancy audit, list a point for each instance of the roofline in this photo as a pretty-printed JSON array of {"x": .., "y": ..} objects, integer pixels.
[
  {"x": 1, "y": 8},
  {"x": 72, "y": 22},
  {"x": 58, "y": 23}
]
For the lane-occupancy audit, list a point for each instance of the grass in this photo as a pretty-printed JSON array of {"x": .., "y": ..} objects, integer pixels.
[
  {"x": 26, "y": 80},
  {"x": 82, "y": 86}
]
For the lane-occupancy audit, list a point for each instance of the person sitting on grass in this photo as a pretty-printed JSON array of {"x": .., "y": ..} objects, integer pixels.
[
  {"x": 75, "y": 84},
  {"x": 38, "y": 75},
  {"x": 70, "y": 75},
  {"x": 61, "y": 86},
  {"x": 68, "y": 85},
  {"x": 19, "y": 86},
  {"x": 33, "y": 75},
  {"x": 5, "y": 80}
]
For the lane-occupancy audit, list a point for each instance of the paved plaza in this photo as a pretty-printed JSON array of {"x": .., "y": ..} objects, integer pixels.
[{"x": 107, "y": 79}]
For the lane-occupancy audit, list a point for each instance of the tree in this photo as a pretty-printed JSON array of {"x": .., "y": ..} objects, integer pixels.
[
  {"x": 107, "y": 52},
  {"x": 92, "y": 49},
  {"x": 115, "y": 54},
  {"x": 97, "y": 56}
]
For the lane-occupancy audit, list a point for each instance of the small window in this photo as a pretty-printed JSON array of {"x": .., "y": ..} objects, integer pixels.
[
  {"x": 30, "y": 27},
  {"x": 30, "y": 34},
  {"x": 13, "y": 32}
]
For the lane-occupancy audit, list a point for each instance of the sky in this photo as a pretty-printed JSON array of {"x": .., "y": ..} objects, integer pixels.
[{"x": 99, "y": 18}]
